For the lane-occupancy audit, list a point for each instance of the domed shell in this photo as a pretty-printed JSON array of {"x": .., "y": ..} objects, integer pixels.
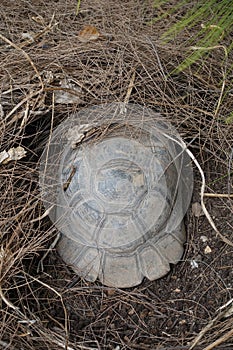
[{"x": 119, "y": 182}]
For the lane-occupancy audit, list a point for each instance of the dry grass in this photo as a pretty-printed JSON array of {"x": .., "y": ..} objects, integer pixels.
[{"x": 53, "y": 309}]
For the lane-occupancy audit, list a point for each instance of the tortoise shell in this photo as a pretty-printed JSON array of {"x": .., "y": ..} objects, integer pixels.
[{"x": 119, "y": 183}]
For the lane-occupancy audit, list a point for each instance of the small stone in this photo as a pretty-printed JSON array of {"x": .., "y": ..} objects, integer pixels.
[
  {"x": 207, "y": 250},
  {"x": 182, "y": 322},
  {"x": 197, "y": 210},
  {"x": 194, "y": 264},
  {"x": 131, "y": 312},
  {"x": 204, "y": 239},
  {"x": 110, "y": 292}
]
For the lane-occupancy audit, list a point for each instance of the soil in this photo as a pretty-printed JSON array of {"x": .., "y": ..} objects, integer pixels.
[
  {"x": 50, "y": 307},
  {"x": 170, "y": 310}
]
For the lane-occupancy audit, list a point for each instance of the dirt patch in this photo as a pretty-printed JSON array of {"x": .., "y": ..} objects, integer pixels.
[{"x": 45, "y": 308}]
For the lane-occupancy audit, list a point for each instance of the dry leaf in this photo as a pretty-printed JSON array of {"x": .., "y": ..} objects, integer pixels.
[
  {"x": 63, "y": 96},
  {"x": 88, "y": 33},
  {"x": 15, "y": 153}
]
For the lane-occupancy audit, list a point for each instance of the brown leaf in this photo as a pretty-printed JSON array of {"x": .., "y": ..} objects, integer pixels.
[{"x": 88, "y": 33}]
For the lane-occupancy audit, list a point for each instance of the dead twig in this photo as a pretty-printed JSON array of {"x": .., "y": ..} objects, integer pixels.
[
  {"x": 25, "y": 54},
  {"x": 9, "y": 303},
  {"x": 46, "y": 213},
  {"x": 32, "y": 94},
  {"x": 183, "y": 145},
  {"x": 218, "y": 195},
  {"x": 226, "y": 312},
  {"x": 220, "y": 340},
  {"x": 40, "y": 266},
  {"x": 224, "y": 73},
  {"x": 63, "y": 306},
  {"x": 130, "y": 87},
  {"x": 35, "y": 37}
]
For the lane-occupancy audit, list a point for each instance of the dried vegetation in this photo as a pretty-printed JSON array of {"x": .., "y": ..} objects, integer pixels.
[{"x": 44, "y": 305}]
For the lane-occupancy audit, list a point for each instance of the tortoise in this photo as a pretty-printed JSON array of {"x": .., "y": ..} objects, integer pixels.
[{"x": 118, "y": 183}]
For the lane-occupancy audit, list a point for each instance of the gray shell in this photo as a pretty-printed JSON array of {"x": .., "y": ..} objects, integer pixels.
[{"x": 120, "y": 184}]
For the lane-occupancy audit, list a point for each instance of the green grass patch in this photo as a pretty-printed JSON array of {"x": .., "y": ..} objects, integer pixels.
[{"x": 215, "y": 19}]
